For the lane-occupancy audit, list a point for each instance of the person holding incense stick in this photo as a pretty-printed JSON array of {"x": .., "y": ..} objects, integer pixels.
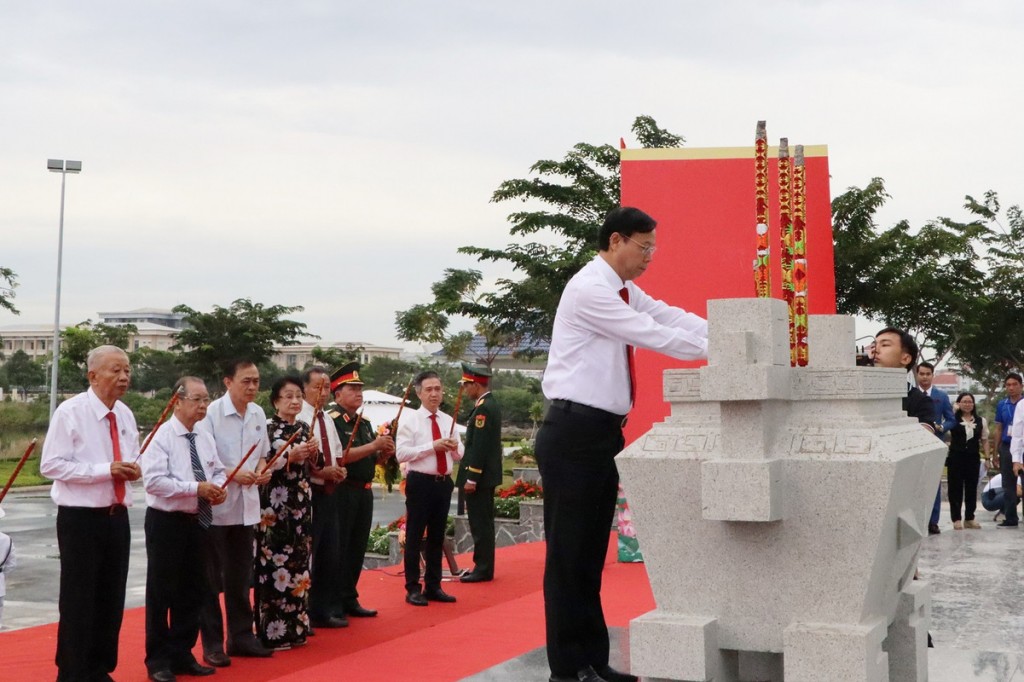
[
  {"x": 425, "y": 441},
  {"x": 7, "y": 562},
  {"x": 89, "y": 454},
  {"x": 353, "y": 504},
  {"x": 184, "y": 479},
  {"x": 591, "y": 383},
  {"x": 284, "y": 537},
  {"x": 236, "y": 424}
]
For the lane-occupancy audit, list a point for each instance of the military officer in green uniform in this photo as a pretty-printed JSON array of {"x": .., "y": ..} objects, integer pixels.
[
  {"x": 355, "y": 494},
  {"x": 481, "y": 470}
]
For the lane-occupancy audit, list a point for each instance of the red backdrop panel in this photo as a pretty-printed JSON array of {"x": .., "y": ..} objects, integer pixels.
[{"x": 703, "y": 200}]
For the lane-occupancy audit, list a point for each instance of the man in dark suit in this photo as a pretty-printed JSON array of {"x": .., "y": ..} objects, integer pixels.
[
  {"x": 943, "y": 420},
  {"x": 481, "y": 470},
  {"x": 897, "y": 349}
]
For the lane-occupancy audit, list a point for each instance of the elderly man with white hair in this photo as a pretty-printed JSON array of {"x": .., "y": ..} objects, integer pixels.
[{"x": 89, "y": 453}]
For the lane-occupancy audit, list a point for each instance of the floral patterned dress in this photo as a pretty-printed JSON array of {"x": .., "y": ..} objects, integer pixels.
[{"x": 284, "y": 541}]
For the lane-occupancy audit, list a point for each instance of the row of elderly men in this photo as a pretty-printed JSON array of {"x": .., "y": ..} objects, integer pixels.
[{"x": 91, "y": 452}]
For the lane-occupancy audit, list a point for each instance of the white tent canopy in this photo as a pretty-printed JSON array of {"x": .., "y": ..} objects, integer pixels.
[{"x": 380, "y": 407}]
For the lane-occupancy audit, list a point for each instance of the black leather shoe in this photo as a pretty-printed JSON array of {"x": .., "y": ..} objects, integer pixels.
[
  {"x": 332, "y": 622},
  {"x": 415, "y": 598},
  {"x": 588, "y": 674},
  {"x": 192, "y": 668},
  {"x": 1006, "y": 524},
  {"x": 933, "y": 529},
  {"x": 474, "y": 577},
  {"x": 162, "y": 676},
  {"x": 218, "y": 659},
  {"x": 612, "y": 675},
  {"x": 439, "y": 595},
  {"x": 357, "y": 611},
  {"x": 250, "y": 650}
]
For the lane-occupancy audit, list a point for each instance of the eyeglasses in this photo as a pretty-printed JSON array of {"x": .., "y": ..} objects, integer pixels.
[
  {"x": 203, "y": 401},
  {"x": 647, "y": 250}
]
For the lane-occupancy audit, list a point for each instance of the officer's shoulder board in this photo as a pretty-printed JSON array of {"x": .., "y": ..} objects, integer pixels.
[{"x": 334, "y": 414}]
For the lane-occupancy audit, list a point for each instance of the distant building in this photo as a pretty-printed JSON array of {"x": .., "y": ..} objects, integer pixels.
[
  {"x": 158, "y": 316},
  {"x": 35, "y": 339},
  {"x": 528, "y": 356},
  {"x": 299, "y": 355}
]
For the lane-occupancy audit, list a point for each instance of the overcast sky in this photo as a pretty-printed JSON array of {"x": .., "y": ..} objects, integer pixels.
[{"x": 335, "y": 154}]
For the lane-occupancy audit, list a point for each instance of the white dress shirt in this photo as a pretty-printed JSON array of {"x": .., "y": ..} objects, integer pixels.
[
  {"x": 167, "y": 472},
  {"x": 414, "y": 443},
  {"x": 78, "y": 451},
  {"x": 306, "y": 415},
  {"x": 587, "y": 359},
  {"x": 1017, "y": 436},
  {"x": 234, "y": 434}
]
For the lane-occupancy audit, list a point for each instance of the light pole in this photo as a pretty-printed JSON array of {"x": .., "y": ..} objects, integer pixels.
[{"x": 63, "y": 167}]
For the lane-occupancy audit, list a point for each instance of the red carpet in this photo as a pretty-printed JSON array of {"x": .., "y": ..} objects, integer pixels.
[{"x": 491, "y": 623}]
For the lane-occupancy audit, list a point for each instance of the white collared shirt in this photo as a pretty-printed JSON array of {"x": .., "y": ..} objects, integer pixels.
[
  {"x": 78, "y": 451},
  {"x": 306, "y": 415},
  {"x": 415, "y": 441},
  {"x": 167, "y": 468},
  {"x": 1017, "y": 436},
  {"x": 234, "y": 435},
  {"x": 587, "y": 359}
]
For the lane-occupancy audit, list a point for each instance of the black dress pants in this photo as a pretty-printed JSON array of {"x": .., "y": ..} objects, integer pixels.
[
  {"x": 94, "y": 546},
  {"x": 576, "y": 457},
  {"x": 175, "y": 587},
  {"x": 325, "y": 588},
  {"x": 427, "y": 502},
  {"x": 480, "y": 508},
  {"x": 229, "y": 552},
  {"x": 962, "y": 478},
  {"x": 1009, "y": 489}
]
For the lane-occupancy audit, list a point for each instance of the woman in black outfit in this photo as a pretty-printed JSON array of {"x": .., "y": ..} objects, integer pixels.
[{"x": 968, "y": 442}]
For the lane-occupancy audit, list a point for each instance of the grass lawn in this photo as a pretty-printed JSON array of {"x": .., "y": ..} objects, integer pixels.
[{"x": 29, "y": 473}]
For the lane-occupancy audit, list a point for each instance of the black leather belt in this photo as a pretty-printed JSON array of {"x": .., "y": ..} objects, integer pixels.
[
  {"x": 433, "y": 477},
  {"x": 618, "y": 420},
  {"x": 362, "y": 485},
  {"x": 112, "y": 510}
]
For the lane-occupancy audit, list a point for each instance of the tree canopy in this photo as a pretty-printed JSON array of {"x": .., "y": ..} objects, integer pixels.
[
  {"x": 955, "y": 283},
  {"x": 244, "y": 330},
  {"x": 7, "y": 292},
  {"x": 552, "y": 243}
]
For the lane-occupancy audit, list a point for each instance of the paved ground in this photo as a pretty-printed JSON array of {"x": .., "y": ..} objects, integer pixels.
[{"x": 977, "y": 580}]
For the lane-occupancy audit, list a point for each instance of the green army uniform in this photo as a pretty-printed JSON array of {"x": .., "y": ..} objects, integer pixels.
[
  {"x": 355, "y": 507},
  {"x": 482, "y": 464}
]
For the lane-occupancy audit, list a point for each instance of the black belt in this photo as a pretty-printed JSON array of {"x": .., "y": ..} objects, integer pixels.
[
  {"x": 183, "y": 515},
  {"x": 112, "y": 510},
  {"x": 617, "y": 420},
  {"x": 433, "y": 477},
  {"x": 362, "y": 485}
]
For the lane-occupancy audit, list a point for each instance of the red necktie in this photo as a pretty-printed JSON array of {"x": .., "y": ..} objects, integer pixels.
[
  {"x": 442, "y": 457},
  {"x": 624, "y": 294},
  {"x": 118, "y": 482},
  {"x": 325, "y": 444}
]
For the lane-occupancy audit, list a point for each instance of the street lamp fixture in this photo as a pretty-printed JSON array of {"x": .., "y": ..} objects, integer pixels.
[{"x": 63, "y": 167}]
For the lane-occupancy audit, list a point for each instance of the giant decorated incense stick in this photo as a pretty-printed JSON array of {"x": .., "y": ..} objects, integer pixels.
[
  {"x": 800, "y": 257},
  {"x": 234, "y": 471},
  {"x": 170, "y": 405},
  {"x": 762, "y": 263},
  {"x": 17, "y": 469},
  {"x": 455, "y": 412},
  {"x": 786, "y": 237}
]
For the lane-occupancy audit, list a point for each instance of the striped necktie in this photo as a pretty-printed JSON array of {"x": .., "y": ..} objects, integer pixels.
[{"x": 205, "y": 511}]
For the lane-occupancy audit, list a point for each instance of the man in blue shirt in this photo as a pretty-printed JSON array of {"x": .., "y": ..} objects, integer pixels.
[
  {"x": 944, "y": 421},
  {"x": 1004, "y": 419}
]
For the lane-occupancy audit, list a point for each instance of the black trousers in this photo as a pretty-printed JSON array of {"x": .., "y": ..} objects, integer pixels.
[
  {"x": 480, "y": 508},
  {"x": 427, "y": 502},
  {"x": 341, "y": 528},
  {"x": 576, "y": 457},
  {"x": 94, "y": 546},
  {"x": 1009, "y": 489},
  {"x": 175, "y": 587},
  {"x": 229, "y": 552},
  {"x": 962, "y": 478}
]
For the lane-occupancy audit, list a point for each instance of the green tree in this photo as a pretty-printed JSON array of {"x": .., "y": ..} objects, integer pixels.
[
  {"x": 22, "y": 372},
  {"x": 390, "y": 375},
  {"x": 7, "y": 292},
  {"x": 243, "y": 330},
  {"x": 551, "y": 244},
  {"x": 332, "y": 357},
  {"x": 154, "y": 369},
  {"x": 953, "y": 283},
  {"x": 77, "y": 341}
]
